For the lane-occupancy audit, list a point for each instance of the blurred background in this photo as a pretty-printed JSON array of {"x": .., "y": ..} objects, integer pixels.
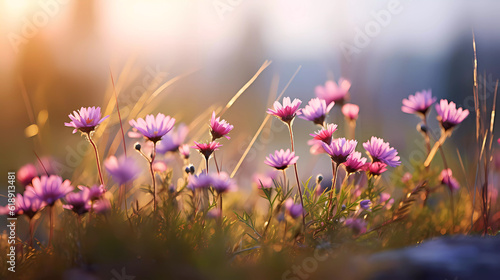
[{"x": 55, "y": 57}]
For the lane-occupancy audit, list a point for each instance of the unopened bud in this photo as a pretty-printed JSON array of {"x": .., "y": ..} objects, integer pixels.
[
  {"x": 137, "y": 146},
  {"x": 422, "y": 128},
  {"x": 319, "y": 178}
]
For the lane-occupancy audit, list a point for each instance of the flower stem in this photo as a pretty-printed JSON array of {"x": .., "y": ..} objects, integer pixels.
[
  {"x": 352, "y": 129},
  {"x": 152, "y": 176},
  {"x": 206, "y": 164},
  {"x": 31, "y": 225},
  {"x": 434, "y": 150},
  {"x": 51, "y": 224},
  {"x": 297, "y": 178},
  {"x": 96, "y": 158},
  {"x": 332, "y": 189},
  {"x": 426, "y": 135}
]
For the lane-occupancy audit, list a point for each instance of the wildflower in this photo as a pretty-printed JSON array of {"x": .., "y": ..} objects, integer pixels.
[
  {"x": 375, "y": 168},
  {"x": 447, "y": 179},
  {"x": 154, "y": 128},
  {"x": 350, "y": 111},
  {"x": 159, "y": 166},
  {"x": 365, "y": 204},
  {"x": 316, "y": 111},
  {"x": 95, "y": 192},
  {"x": 406, "y": 177},
  {"x": 78, "y": 202},
  {"x": 184, "y": 151},
  {"x": 325, "y": 134},
  {"x": 28, "y": 203},
  {"x": 332, "y": 92},
  {"x": 281, "y": 159},
  {"x": 122, "y": 169},
  {"x": 295, "y": 210},
  {"x": 202, "y": 181},
  {"x": 206, "y": 149},
  {"x": 287, "y": 111},
  {"x": 354, "y": 162},
  {"x": 26, "y": 173},
  {"x": 173, "y": 140},
  {"x": 214, "y": 213},
  {"x": 85, "y": 119},
  {"x": 51, "y": 188},
  {"x": 384, "y": 197},
  {"x": 221, "y": 182},
  {"x": 358, "y": 226},
  {"x": 340, "y": 149},
  {"x": 219, "y": 128},
  {"x": 379, "y": 150},
  {"x": 418, "y": 103},
  {"x": 102, "y": 206},
  {"x": 265, "y": 181},
  {"x": 448, "y": 114}
]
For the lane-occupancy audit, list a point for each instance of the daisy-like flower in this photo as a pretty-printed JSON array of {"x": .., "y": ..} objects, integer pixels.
[
  {"x": 85, "y": 119},
  {"x": 316, "y": 111},
  {"x": 184, "y": 150},
  {"x": 447, "y": 179},
  {"x": 221, "y": 182},
  {"x": 26, "y": 173},
  {"x": 95, "y": 192},
  {"x": 78, "y": 202},
  {"x": 201, "y": 181},
  {"x": 325, "y": 134},
  {"x": 206, "y": 149},
  {"x": 154, "y": 128},
  {"x": 287, "y": 111},
  {"x": 379, "y": 150},
  {"x": 173, "y": 140},
  {"x": 29, "y": 203},
  {"x": 448, "y": 114},
  {"x": 281, "y": 159},
  {"x": 49, "y": 189},
  {"x": 354, "y": 162},
  {"x": 375, "y": 168},
  {"x": 339, "y": 149},
  {"x": 350, "y": 111},
  {"x": 418, "y": 103},
  {"x": 332, "y": 92},
  {"x": 122, "y": 169},
  {"x": 219, "y": 128},
  {"x": 295, "y": 210}
]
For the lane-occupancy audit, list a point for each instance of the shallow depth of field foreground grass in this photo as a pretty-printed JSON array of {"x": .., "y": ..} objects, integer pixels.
[{"x": 191, "y": 218}]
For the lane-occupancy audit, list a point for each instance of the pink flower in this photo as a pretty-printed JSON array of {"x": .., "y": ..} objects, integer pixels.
[
  {"x": 406, "y": 177},
  {"x": 325, "y": 134},
  {"x": 287, "y": 111},
  {"x": 447, "y": 178},
  {"x": 316, "y": 111},
  {"x": 85, "y": 119},
  {"x": 29, "y": 203},
  {"x": 102, "y": 206},
  {"x": 206, "y": 149},
  {"x": 340, "y": 149},
  {"x": 26, "y": 173},
  {"x": 154, "y": 128},
  {"x": 50, "y": 188},
  {"x": 350, "y": 111},
  {"x": 448, "y": 114},
  {"x": 332, "y": 92},
  {"x": 354, "y": 162},
  {"x": 379, "y": 150},
  {"x": 95, "y": 192},
  {"x": 418, "y": 103},
  {"x": 219, "y": 128},
  {"x": 159, "y": 166},
  {"x": 122, "y": 169},
  {"x": 265, "y": 181},
  {"x": 375, "y": 168},
  {"x": 316, "y": 147},
  {"x": 184, "y": 150},
  {"x": 281, "y": 159},
  {"x": 78, "y": 202}
]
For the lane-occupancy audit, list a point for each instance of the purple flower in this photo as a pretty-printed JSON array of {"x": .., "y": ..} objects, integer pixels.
[
  {"x": 78, "y": 202},
  {"x": 102, "y": 206},
  {"x": 201, "y": 181},
  {"x": 384, "y": 197},
  {"x": 295, "y": 210},
  {"x": 354, "y": 162},
  {"x": 448, "y": 114},
  {"x": 219, "y": 128},
  {"x": 221, "y": 182},
  {"x": 85, "y": 119},
  {"x": 447, "y": 178},
  {"x": 95, "y": 192},
  {"x": 365, "y": 204},
  {"x": 350, "y": 111},
  {"x": 418, "y": 103},
  {"x": 379, "y": 150},
  {"x": 206, "y": 149},
  {"x": 358, "y": 226},
  {"x": 184, "y": 150},
  {"x": 332, "y": 92},
  {"x": 288, "y": 111},
  {"x": 173, "y": 140},
  {"x": 122, "y": 169},
  {"x": 325, "y": 134},
  {"x": 375, "y": 168},
  {"x": 29, "y": 203},
  {"x": 50, "y": 188},
  {"x": 26, "y": 173},
  {"x": 340, "y": 149},
  {"x": 281, "y": 159},
  {"x": 154, "y": 128},
  {"x": 316, "y": 111}
]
